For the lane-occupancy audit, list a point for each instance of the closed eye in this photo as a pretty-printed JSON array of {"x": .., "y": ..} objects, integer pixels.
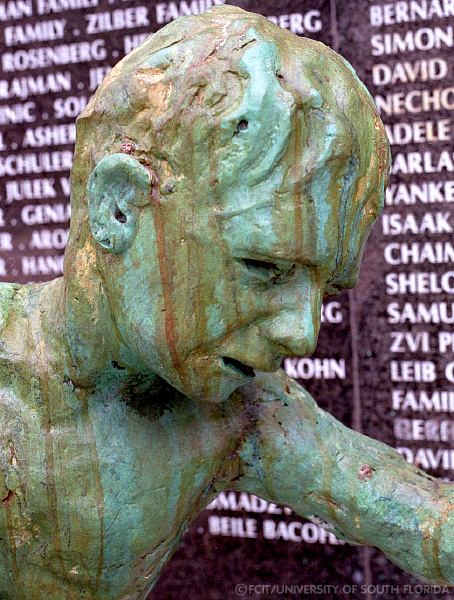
[
  {"x": 265, "y": 270},
  {"x": 259, "y": 265}
]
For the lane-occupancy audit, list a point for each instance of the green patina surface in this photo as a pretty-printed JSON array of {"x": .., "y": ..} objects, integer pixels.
[{"x": 225, "y": 178}]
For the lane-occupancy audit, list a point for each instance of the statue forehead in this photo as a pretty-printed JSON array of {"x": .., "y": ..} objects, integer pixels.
[
  {"x": 278, "y": 175},
  {"x": 248, "y": 71},
  {"x": 243, "y": 66},
  {"x": 260, "y": 163},
  {"x": 244, "y": 138}
]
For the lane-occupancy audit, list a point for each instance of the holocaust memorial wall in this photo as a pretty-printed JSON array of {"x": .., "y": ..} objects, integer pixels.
[{"x": 384, "y": 364}]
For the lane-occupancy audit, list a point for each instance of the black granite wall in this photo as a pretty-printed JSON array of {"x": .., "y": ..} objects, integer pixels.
[{"x": 384, "y": 363}]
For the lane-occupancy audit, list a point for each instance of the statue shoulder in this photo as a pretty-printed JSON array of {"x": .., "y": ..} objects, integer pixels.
[
  {"x": 8, "y": 293},
  {"x": 13, "y": 364}
]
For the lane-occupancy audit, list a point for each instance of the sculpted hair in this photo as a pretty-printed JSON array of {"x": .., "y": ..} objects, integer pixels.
[{"x": 189, "y": 71}]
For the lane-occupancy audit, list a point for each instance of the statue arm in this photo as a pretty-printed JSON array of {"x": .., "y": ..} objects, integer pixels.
[{"x": 299, "y": 456}]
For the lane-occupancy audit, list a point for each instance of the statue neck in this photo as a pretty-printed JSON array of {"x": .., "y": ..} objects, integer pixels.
[
  {"x": 58, "y": 328},
  {"x": 33, "y": 328},
  {"x": 89, "y": 329}
]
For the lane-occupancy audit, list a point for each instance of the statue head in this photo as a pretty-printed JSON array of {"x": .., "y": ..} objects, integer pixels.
[{"x": 226, "y": 176}]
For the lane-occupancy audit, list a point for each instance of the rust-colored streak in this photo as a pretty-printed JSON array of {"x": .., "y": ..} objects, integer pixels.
[
  {"x": 7, "y": 505},
  {"x": 154, "y": 185},
  {"x": 98, "y": 489},
  {"x": 50, "y": 477},
  {"x": 169, "y": 319},
  {"x": 220, "y": 241},
  {"x": 426, "y": 554},
  {"x": 325, "y": 492},
  {"x": 298, "y": 185},
  {"x": 436, "y": 551},
  {"x": 430, "y": 549}
]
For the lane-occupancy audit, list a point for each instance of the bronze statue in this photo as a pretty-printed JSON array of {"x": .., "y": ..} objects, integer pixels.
[{"x": 226, "y": 175}]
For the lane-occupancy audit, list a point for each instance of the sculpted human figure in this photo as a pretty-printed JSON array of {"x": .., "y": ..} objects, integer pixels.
[{"x": 225, "y": 177}]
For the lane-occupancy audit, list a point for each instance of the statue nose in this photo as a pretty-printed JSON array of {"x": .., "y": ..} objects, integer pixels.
[{"x": 295, "y": 331}]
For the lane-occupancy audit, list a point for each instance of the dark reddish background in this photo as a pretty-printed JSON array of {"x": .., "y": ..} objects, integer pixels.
[{"x": 209, "y": 566}]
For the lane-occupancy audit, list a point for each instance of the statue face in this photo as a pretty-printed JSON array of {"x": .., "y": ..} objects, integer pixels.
[{"x": 232, "y": 259}]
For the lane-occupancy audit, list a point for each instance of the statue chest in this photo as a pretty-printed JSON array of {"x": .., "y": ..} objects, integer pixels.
[{"x": 97, "y": 496}]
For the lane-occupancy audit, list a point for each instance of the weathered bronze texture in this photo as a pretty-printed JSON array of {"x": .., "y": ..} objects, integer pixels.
[{"x": 226, "y": 175}]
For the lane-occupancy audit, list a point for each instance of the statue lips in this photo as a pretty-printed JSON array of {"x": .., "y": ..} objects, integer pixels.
[
  {"x": 238, "y": 367},
  {"x": 242, "y": 370}
]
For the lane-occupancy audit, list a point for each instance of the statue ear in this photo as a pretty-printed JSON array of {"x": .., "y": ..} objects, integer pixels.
[{"x": 117, "y": 187}]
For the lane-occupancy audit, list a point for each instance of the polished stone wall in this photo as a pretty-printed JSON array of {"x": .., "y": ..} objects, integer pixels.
[{"x": 385, "y": 359}]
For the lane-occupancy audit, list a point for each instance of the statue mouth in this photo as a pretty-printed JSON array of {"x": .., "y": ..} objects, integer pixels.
[{"x": 238, "y": 367}]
